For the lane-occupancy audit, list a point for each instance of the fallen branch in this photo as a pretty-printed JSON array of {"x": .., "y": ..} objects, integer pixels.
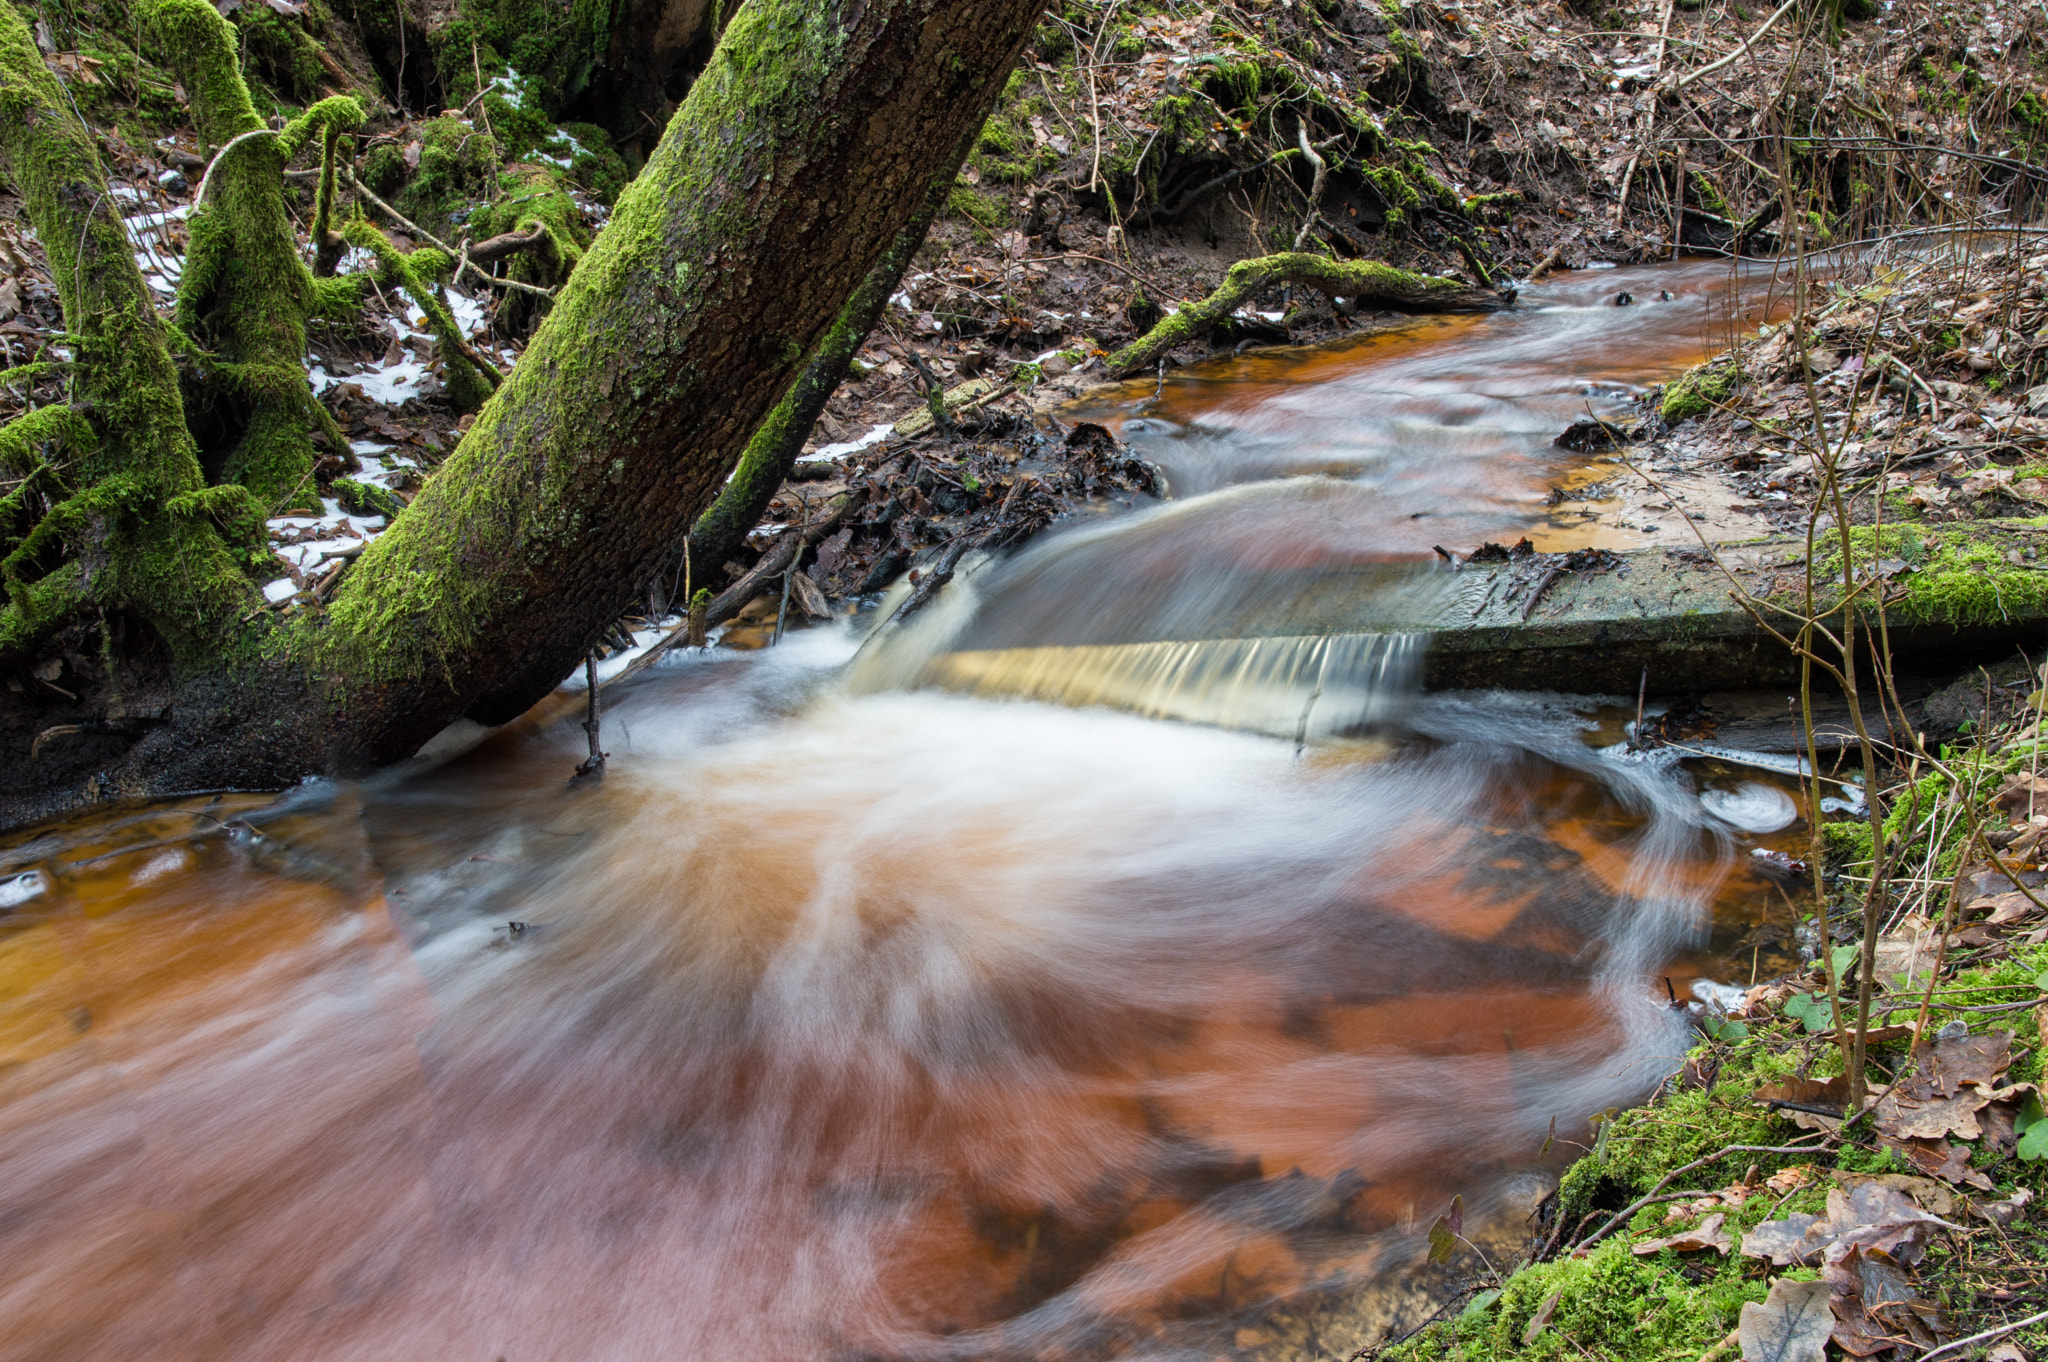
[
  {"x": 736, "y": 597},
  {"x": 1368, "y": 281},
  {"x": 1315, "y": 193},
  {"x": 1679, "y": 83},
  {"x": 423, "y": 234},
  {"x": 507, "y": 243}
]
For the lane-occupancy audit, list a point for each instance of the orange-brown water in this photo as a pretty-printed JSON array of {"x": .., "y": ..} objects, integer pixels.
[{"x": 898, "y": 1025}]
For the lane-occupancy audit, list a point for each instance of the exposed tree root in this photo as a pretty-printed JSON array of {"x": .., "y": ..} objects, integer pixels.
[{"x": 1367, "y": 281}]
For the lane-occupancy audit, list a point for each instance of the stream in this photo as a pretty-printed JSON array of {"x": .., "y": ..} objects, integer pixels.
[{"x": 865, "y": 1011}]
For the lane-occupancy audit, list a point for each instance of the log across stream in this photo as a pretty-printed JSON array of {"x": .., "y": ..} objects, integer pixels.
[{"x": 850, "y": 1018}]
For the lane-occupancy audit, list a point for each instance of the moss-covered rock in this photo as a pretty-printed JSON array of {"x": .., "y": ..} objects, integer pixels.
[{"x": 1699, "y": 390}]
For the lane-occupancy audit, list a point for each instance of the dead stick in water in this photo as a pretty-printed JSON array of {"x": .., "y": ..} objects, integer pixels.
[
  {"x": 594, "y": 764},
  {"x": 1635, "y": 741}
]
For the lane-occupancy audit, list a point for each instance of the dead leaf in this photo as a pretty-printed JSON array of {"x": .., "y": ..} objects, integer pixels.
[
  {"x": 1443, "y": 1235},
  {"x": 1807, "y": 1092},
  {"x": 1783, "y": 1242},
  {"x": 1939, "y": 1159},
  {"x": 1792, "y": 1325},
  {"x": 2006, "y": 1352},
  {"x": 1541, "y": 1318},
  {"x": 1785, "y": 1179},
  {"x": 2003, "y": 908},
  {"x": 1877, "y": 1305},
  {"x": 1868, "y": 1215},
  {"x": 1708, "y": 1234},
  {"x": 2004, "y": 1211},
  {"x": 1953, "y": 1061},
  {"x": 1932, "y": 1196},
  {"x": 1904, "y": 1118}
]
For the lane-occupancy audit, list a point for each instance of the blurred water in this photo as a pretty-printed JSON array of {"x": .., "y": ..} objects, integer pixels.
[{"x": 852, "y": 1019}]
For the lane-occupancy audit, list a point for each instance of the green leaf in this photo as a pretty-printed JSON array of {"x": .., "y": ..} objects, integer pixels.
[
  {"x": 2041, "y": 981},
  {"x": 1844, "y": 957},
  {"x": 2031, "y": 1124},
  {"x": 1722, "y": 1029},
  {"x": 970, "y": 482},
  {"x": 1481, "y": 1303},
  {"x": 1811, "y": 1010},
  {"x": 1443, "y": 1235}
]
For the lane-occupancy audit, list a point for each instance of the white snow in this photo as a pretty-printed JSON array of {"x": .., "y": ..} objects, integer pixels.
[{"x": 875, "y": 435}]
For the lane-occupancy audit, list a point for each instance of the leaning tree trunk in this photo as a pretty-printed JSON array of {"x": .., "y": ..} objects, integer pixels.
[
  {"x": 799, "y": 155},
  {"x": 771, "y": 454}
]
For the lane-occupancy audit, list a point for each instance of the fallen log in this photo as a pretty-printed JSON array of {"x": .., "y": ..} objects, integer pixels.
[{"x": 1368, "y": 281}]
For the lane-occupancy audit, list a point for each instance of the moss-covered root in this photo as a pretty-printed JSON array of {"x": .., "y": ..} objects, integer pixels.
[
  {"x": 772, "y": 451},
  {"x": 1366, "y": 280},
  {"x": 136, "y": 496},
  {"x": 246, "y": 291},
  {"x": 471, "y": 378}
]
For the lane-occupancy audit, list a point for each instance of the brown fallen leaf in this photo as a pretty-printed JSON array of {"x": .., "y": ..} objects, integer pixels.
[
  {"x": 1932, "y": 1196},
  {"x": 2000, "y": 1119},
  {"x": 1939, "y": 1159},
  {"x": 2005, "y": 1210},
  {"x": 1807, "y": 1092},
  {"x": 1708, "y": 1234},
  {"x": 1785, "y": 1179},
  {"x": 1907, "y": 1118},
  {"x": 1868, "y": 1215},
  {"x": 1792, "y": 1325},
  {"x": 2007, "y": 1351},
  {"x": 1877, "y": 1306},
  {"x": 1952, "y": 1061}
]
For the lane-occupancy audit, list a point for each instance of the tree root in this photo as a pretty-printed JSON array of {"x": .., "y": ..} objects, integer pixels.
[
  {"x": 470, "y": 377},
  {"x": 1367, "y": 281}
]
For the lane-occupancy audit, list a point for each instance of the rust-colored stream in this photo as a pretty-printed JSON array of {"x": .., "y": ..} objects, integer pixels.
[{"x": 899, "y": 1025}]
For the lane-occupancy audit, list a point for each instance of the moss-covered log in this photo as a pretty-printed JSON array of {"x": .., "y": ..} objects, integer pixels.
[
  {"x": 772, "y": 452},
  {"x": 246, "y": 293},
  {"x": 130, "y": 526},
  {"x": 1371, "y": 283}
]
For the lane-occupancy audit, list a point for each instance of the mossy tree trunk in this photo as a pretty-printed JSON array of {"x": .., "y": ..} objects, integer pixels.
[
  {"x": 802, "y": 152},
  {"x": 773, "y": 450},
  {"x": 246, "y": 293},
  {"x": 128, "y": 524}
]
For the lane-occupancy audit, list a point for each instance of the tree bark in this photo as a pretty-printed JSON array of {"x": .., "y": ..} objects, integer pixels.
[
  {"x": 799, "y": 155},
  {"x": 773, "y": 450}
]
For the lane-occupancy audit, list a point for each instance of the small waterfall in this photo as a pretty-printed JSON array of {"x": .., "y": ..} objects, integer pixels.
[{"x": 1301, "y": 687}]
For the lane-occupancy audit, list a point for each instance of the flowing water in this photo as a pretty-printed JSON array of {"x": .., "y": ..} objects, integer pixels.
[{"x": 851, "y": 1016}]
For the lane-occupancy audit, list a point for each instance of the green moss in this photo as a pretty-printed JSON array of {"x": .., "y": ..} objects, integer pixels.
[
  {"x": 366, "y": 498},
  {"x": 133, "y": 481},
  {"x": 246, "y": 292},
  {"x": 985, "y": 211},
  {"x": 458, "y": 162},
  {"x": 1699, "y": 390},
  {"x": 1960, "y": 574}
]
